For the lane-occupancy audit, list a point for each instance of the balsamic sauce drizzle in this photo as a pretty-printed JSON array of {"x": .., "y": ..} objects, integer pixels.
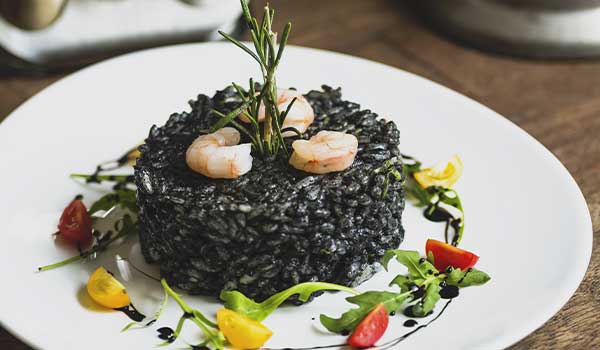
[
  {"x": 410, "y": 323},
  {"x": 448, "y": 292},
  {"x": 166, "y": 333},
  {"x": 394, "y": 342},
  {"x": 132, "y": 313},
  {"x": 434, "y": 213},
  {"x": 113, "y": 165},
  {"x": 199, "y": 347}
]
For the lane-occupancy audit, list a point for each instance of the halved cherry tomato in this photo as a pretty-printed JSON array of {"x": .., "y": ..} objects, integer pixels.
[
  {"x": 75, "y": 223},
  {"x": 371, "y": 328},
  {"x": 106, "y": 290},
  {"x": 241, "y": 331},
  {"x": 445, "y": 255}
]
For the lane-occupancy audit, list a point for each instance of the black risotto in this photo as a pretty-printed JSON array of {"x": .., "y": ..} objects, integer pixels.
[{"x": 275, "y": 226}]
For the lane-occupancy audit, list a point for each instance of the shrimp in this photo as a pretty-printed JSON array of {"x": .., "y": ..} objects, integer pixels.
[
  {"x": 325, "y": 152},
  {"x": 301, "y": 114},
  {"x": 219, "y": 156}
]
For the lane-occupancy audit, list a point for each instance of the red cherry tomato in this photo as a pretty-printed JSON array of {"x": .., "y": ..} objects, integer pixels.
[
  {"x": 445, "y": 255},
  {"x": 371, "y": 328},
  {"x": 75, "y": 223}
]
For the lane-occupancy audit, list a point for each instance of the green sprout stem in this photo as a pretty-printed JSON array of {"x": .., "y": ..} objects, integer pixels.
[
  {"x": 209, "y": 328},
  {"x": 62, "y": 263}
]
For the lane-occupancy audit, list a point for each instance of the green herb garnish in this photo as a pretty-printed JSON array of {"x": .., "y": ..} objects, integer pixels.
[
  {"x": 421, "y": 287},
  {"x": 213, "y": 337},
  {"x": 365, "y": 302},
  {"x": 267, "y": 139},
  {"x": 121, "y": 217},
  {"x": 391, "y": 172},
  {"x": 236, "y": 301},
  {"x": 441, "y": 204}
]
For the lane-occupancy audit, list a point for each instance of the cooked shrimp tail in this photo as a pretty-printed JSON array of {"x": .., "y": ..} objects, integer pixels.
[
  {"x": 218, "y": 155},
  {"x": 299, "y": 113},
  {"x": 325, "y": 152}
]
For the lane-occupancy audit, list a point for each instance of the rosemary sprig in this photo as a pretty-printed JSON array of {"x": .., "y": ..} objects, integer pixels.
[{"x": 268, "y": 139}]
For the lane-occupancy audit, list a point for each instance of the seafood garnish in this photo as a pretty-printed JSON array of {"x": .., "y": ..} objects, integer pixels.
[
  {"x": 326, "y": 152},
  {"x": 300, "y": 114},
  {"x": 218, "y": 155}
]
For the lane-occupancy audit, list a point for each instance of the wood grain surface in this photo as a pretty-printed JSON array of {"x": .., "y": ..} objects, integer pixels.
[{"x": 558, "y": 102}]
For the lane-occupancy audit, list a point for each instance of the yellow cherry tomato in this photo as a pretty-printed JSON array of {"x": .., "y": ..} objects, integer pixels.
[
  {"x": 241, "y": 331},
  {"x": 133, "y": 155},
  {"x": 443, "y": 174},
  {"x": 104, "y": 289}
]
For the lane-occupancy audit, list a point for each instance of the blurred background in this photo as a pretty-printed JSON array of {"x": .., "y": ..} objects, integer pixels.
[{"x": 534, "y": 61}]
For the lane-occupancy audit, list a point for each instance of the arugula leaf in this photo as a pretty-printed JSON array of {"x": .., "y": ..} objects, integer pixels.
[
  {"x": 427, "y": 303},
  {"x": 416, "y": 191},
  {"x": 418, "y": 268},
  {"x": 431, "y": 258},
  {"x": 366, "y": 302},
  {"x": 468, "y": 278},
  {"x": 404, "y": 282},
  {"x": 236, "y": 301}
]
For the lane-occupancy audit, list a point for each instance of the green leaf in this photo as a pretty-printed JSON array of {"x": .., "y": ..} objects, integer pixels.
[
  {"x": 418, "y": 268},
  {"x": 366, "y": 302},
  {"x": 410, "y": 162},
  {"x": 431, "y": 258},
  {"x": 427, "y": 303},
  {"x": 414, "y": 189},
  {"x": 236, "y": 301},
  {"x": 404, "y": 282},
  {"x": 468, "y": 278}
]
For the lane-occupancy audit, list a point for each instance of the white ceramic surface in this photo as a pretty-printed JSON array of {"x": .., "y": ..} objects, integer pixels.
[{"x": 525, "y": 215}]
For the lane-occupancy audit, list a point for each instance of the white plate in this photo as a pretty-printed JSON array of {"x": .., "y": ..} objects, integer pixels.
[{"x": 525, "y": 216}]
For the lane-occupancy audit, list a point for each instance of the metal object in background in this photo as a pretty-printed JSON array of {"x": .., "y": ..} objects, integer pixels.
[
  {"x": 531, "y": 28},
  {"x": 60, "y": 33},
  {"x": 31, "y": 14}
]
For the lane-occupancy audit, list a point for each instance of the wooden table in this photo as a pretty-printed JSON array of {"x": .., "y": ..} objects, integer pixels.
[{"x": 557, "y": 102}]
